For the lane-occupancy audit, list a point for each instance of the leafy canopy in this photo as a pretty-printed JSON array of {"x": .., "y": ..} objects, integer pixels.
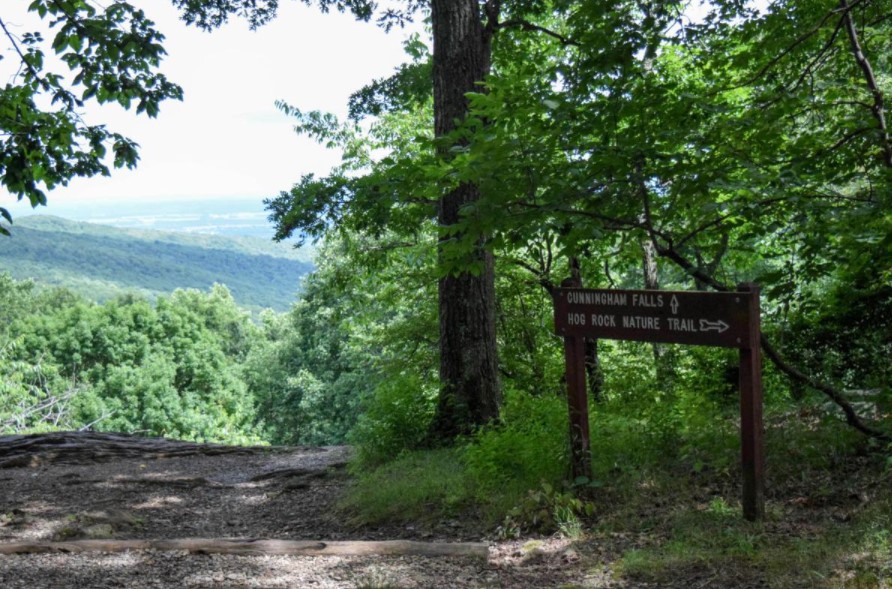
[{"x": 104, "y": 55}]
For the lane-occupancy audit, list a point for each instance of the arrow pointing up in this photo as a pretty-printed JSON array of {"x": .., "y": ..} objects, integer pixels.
[
  {"x": 719, "y": 326},
  {"x": 674, "y": 305}
]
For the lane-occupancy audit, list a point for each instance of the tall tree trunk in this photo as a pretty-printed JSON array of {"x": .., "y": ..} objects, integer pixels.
[
  {"x": 663, "y": 360},
  {"x": 469, "y": 379}
]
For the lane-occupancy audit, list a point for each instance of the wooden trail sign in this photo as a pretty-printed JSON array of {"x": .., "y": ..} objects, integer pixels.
[
  {"x": 698, "y": 318},
  {"x": 724, "y": 319}
]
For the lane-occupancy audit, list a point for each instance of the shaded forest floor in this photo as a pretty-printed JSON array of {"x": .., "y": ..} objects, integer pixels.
[{"x": 827, "y": 527}]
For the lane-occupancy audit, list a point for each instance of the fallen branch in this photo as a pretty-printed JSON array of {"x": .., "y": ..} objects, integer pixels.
[
  {"x": 257, "y": 547},
  {"x": 188, "y": 482}
]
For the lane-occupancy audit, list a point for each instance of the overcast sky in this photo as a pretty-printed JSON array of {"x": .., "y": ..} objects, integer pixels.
[{"x": 227, "y": 139}]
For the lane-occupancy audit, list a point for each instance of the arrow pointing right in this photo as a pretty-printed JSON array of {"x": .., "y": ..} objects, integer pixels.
[{"x": 719, "y": 326}]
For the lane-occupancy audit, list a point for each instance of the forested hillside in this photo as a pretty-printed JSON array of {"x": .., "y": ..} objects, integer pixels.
[{"x": 100, "y": 262}]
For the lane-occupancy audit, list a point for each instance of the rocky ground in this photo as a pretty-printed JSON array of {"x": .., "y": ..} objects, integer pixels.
[{"x": 286, "y": 494}]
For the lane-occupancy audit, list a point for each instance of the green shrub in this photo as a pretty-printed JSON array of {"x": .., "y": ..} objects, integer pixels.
[
  {"x": 395, "y": 419},
  {"x": 547, "y": 510},
  {"x": 527, "y": 449}
]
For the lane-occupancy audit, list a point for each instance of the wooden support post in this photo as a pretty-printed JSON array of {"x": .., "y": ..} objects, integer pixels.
[
  {"x": 751, "y": 428},
  {"x": 577, "y": 401}
]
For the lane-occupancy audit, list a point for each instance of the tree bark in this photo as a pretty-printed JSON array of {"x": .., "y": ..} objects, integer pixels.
[
  {"x": 663, "y": 361},
  {"x": 469, "y": 379}
]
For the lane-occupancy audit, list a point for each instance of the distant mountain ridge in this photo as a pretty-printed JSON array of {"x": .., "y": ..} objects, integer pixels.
[
  {"x": 220, "y": 216},
  {"x": 100, "y": 262}
]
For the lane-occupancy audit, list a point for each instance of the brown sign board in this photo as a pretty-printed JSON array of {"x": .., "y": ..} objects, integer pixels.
[
  {"x": 680, "y": 317},
  {"x": 724, "y": 319}
]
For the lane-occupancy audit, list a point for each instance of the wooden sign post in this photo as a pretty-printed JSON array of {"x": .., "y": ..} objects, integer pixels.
[{"x": 724, "y": 319}]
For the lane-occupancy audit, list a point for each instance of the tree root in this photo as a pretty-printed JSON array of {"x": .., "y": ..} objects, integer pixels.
[{"x": 86, "y": 447}]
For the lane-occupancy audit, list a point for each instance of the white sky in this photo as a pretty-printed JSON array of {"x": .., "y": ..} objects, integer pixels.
[{"x": 227, "y": 139}]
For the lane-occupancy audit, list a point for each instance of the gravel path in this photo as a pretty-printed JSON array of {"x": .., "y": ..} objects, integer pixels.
[{"x": 284, "y": 494}]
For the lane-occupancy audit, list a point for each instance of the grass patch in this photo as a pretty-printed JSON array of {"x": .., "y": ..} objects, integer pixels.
[
  {"x": 665, "y": 497},
  {"x": 489, "y": 475},
  {"x": 828, "y": 523},
  {"x": 418, "y": 487},
  {"x": 831, "y": 555}
]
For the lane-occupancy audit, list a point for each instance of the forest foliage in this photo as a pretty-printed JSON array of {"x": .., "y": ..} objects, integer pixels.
[
  {"x": 650, "y": 148},
  {"x": 189, "y": 365}
]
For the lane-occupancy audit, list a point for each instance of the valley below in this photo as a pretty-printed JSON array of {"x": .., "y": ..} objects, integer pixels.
[{"x": 100, "y": 262}]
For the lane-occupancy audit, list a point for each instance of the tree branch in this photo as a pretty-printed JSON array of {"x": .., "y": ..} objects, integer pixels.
[
  {"x": 836, "y": 396},
  {"x": 492, "y": 9},
  {"x": 541, "y": 274},
  {"x": 721, "y": 219},
  {"x": 879, "y": 111},
  {"x": 668, "y": 251},
  {"x": 607, "y": 274},
  {"x": 528, "y": 26},
  {"x": 844, "y": 8},
  {"x": 845, "y": 139},
  {"x": 816, "y": 60},
  {"x": 12, "y": 39}
]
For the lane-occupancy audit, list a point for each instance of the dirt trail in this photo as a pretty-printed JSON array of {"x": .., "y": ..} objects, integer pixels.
[{"x": 74, "y": 487}]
